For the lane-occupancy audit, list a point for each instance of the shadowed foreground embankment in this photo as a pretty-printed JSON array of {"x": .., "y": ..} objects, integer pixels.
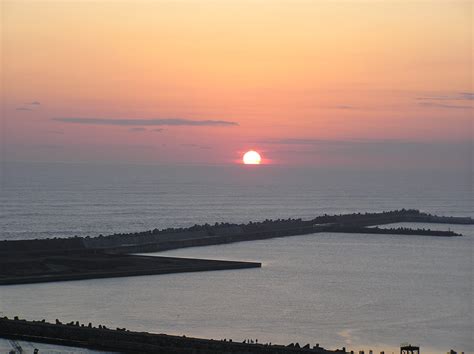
[
  {"x": 38, "y": 268},
  {"x": 124, "y": 341}
]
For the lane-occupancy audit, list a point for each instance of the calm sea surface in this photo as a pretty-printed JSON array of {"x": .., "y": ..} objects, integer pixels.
[{"x": 358, "y": 291}]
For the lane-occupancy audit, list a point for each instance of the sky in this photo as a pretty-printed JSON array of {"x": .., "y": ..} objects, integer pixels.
[{"x": 366, "y": 84}]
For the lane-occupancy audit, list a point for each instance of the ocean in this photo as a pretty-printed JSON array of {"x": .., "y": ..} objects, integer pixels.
[{"x": 356, "y": 291}]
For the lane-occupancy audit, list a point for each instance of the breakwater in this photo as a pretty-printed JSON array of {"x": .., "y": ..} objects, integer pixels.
[
  {"x": 86, "y": 265},
  {"x": 219, "y": 233},
  {"x": 393, "y": 231},
  {"x": 391, "y": 217},
  {"x": 29, "y": 261},
  {"x": 124, "y": 341}
]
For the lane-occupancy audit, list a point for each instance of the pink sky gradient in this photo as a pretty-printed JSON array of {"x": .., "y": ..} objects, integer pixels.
[{"x": 373, "y": 84}]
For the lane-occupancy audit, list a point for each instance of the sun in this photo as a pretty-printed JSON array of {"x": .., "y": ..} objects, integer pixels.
[{"x": 252, "y": 158}]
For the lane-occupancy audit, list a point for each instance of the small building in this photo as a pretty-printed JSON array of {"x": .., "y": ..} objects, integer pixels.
[{"x": 409, "y": 349}]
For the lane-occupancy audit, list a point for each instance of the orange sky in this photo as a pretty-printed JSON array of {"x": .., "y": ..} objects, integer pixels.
[{"x": 304, "y": 82}]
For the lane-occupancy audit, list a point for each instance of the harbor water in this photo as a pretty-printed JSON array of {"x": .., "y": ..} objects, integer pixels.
[{"x": 339, "y": 290}]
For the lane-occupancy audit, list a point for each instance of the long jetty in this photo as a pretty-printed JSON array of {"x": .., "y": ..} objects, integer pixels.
[
  {"x": 23, "y": 261},
  {"x": 38, "y": 268},
  {"x": 203, "y": 235},
  {"x": 122, "y": 340}
]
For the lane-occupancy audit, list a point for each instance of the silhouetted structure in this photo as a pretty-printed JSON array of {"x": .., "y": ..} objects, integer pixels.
[
  {"x": 409, "y": 349},
  {"x": 124, "y": 341}
]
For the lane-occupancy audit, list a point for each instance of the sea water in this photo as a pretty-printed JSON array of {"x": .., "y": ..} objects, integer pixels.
[{"x": 354, "y": 290}]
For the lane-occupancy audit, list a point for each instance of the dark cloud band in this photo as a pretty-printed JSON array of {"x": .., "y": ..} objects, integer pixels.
[{"x": 147, "y": 122}]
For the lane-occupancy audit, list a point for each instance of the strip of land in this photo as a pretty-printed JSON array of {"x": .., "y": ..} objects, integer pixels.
[
  {"x": 39, "y": 268},
  {"x": 219, "y": 233},
  {"x": 41, "y": 260},
  {"x": 125, "y": 341}
]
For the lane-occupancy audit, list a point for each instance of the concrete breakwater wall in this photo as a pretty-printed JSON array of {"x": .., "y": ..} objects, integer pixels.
[
  {"x": 390, "y": 217},
  {"x": 124, "y": 341},
  {"x": 209, "y": 240},
  {"x": 200, "y": 235},
  {"x": 41, "y": 245},
  {"x": 87, "y": 265},
  {"x": 440, "y": 219},
  {"x": 393, "y": 231}
]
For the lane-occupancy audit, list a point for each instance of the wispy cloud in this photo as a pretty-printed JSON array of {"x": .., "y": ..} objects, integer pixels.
[
  {"x": 352, "y": 143},
  {"x": 343, "y": 106},
  {"x": 456, "y": 100},
  {"x": 138, "y": 129},
  {"x": 28, "y": 106},
  {"x": 386, "y": 153},
  {"x": 158, "y": 130},
  {"x": 444, "y": 105},
  {"x": 146, "y": 122},
  {"x": 197, "y": 146},
  {"x": 466, "y": 96},
  {"x": 308, "y": 141},
  {"x": 457, "y": 96}
]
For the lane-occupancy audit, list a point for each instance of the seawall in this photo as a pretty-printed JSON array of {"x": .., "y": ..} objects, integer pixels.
[
  {"x": 219, "y": 233},
  {"x": 124, "y": 341}
]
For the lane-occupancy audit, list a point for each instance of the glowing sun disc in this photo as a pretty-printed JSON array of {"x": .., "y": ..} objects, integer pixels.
[{"x": 252, "y": 158}]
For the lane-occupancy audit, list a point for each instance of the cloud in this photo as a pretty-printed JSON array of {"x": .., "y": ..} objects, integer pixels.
[
  {"x": 381, "y": 153},
  {"x": 342, "y": 106},
  {"x": 197, "y": 146},
  {"x": 302, "y": 141},
  {"x": 29, "y": 106},
  {"x": 146, "y": 122},
  {"x": 467, "y": 95},
  {"x": 354, "y": 143},
  {"x": 59, "y": 132},
  {"x": 444, "y": 105},
  {"x": 138, "y": 129},
  {"x": 457, "y": 100},
  {"x": 158, "y": 130},
  {"x": 457, "y": 96}
]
